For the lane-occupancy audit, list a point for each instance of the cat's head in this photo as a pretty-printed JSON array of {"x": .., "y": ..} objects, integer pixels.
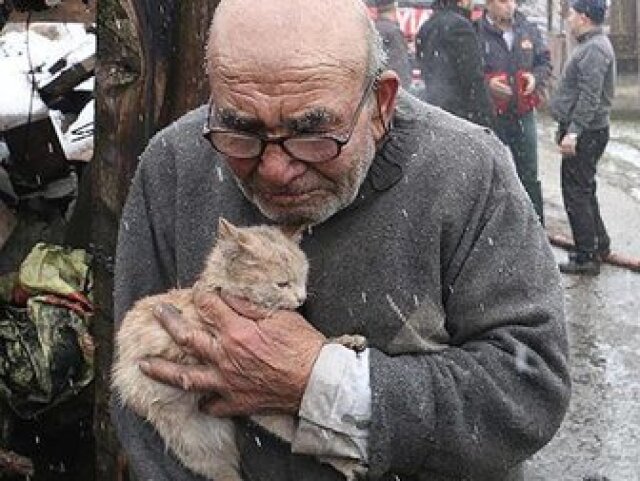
[{"x": 262, "y": 264}]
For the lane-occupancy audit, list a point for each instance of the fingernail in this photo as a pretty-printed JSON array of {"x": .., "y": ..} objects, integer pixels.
[
  {"x": 144, "y": 365},
  {"x": 166, "y": 309}
]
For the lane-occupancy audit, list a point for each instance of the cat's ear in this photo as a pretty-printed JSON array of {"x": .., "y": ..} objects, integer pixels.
[
  {"x": 226, "y": 230},
  {"x": 229, "y": 232},
  {"x": 293, "y": 232}
]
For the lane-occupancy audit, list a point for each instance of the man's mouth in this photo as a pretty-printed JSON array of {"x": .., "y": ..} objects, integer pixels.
[{"x": 286, "y": 198}]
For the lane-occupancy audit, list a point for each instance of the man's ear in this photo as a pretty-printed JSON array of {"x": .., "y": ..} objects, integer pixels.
[{"x": 386, "y": 95}]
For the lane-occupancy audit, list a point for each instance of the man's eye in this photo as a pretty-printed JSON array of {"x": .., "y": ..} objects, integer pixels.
[{"x": 283, "y": 284}]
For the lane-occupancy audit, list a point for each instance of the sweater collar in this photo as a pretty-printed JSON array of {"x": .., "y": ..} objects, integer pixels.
[
  {"x": 393, "y": 153},
  {"x": 387, "y": 167},
  {"x": 590, "y": 34}
]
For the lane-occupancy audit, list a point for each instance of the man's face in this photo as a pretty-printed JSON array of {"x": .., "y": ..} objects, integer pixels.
[
  {"x": 575, "y": 22},
  {"x": 292, "y": 101},
  {"x": 501, "y": 10}
]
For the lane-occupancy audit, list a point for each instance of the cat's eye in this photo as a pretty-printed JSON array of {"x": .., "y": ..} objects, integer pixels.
[{"x": 283, "y": 284}]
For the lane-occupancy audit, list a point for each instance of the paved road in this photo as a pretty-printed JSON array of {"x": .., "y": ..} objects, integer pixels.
[{"x": 600, "y": 436}]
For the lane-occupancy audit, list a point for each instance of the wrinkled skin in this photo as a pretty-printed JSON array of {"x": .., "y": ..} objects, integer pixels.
[{"x": 251, "y": 362}]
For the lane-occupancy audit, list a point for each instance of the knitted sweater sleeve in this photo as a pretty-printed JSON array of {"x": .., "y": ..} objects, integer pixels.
[
  {"x": 499, "y": 390},
  {"x": 145, "y": 265}
]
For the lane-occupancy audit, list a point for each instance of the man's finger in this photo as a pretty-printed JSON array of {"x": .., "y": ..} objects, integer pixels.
[
  {"x": 188, "y": 377},
  {"x": 170, "y": 318},
  {"x": 192, "y": 338}
]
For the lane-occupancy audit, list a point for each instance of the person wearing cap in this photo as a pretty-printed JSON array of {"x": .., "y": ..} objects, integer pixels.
[
  {"x": 581, "y": 105},
  {"x": 517, "y": 66},
  {"x": 395, "y": 44},
  {"x": 451, "y": 65}
]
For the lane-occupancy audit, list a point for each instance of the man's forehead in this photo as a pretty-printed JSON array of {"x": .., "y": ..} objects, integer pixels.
[{"x": 285, "y": 88}]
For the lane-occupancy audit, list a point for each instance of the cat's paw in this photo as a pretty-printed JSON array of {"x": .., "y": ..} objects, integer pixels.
[{"x": 355, "y": 342}]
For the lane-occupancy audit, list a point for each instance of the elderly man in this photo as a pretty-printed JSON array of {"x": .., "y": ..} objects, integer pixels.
[{"x": 423, "y": 241}]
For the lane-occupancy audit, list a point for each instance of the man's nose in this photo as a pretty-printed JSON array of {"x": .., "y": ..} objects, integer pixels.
[{"x": 277, "y": 167}]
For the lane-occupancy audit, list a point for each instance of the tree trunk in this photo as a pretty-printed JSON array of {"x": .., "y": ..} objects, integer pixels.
[{"x": 149, "y": 72}]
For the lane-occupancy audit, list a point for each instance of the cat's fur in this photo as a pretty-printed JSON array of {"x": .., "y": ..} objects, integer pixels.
[{"x": 259, "y": 263}]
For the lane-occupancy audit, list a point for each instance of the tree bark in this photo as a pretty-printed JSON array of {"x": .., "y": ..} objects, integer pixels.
[{"x": 149, "y": 72}]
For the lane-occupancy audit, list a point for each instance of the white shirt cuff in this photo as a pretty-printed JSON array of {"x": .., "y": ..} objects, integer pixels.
[{"x": 336, "y": 406}]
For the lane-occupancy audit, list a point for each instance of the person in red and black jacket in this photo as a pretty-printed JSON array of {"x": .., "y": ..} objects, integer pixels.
[{"x": 517, "y": 68}]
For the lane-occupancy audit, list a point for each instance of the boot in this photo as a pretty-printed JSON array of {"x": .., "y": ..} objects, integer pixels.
[
  {"x": 581, "y": 264},
  {"x": 601, "y": 255}
]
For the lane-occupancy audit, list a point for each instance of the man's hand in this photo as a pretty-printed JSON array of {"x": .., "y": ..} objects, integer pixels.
[
  {"x": 251, "y": 362},
  {"x": 568, "y": 145},
  {"x": 500, "y": 89},
  {"x": 531, "y": 83}
]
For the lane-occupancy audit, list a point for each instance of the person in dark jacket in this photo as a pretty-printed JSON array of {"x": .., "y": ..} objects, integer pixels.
[
  {"x": 395, "y": 45},
  {"x": 420, "y": 238},
  {"x": 581, "y": 104},
  {"x": 517, "y": 68},
  {"x": 451, "y": 63}
]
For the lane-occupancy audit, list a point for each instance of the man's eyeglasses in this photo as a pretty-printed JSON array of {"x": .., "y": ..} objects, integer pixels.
[{"x": 303, "y": 147}]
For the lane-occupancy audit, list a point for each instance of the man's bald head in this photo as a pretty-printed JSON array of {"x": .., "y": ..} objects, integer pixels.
[{"x": 274, "y": 34}]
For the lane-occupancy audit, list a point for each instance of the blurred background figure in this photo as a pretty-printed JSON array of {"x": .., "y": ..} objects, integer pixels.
[
  {"x": 394, "y": 42},
  {"x": 581, "y": 105},
  {"x": 517, "y": 68},
  {"x": 450, "y": 61}
]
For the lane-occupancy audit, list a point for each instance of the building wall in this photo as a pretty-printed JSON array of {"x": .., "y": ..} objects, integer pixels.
[{"x": 624, "y": 23}]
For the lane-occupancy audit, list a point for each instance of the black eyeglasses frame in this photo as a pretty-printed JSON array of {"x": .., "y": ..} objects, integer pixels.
[{"x": 281, "y": 141}]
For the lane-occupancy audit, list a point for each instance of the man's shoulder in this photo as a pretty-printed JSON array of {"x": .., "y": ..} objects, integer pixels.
[
  {"x": 446, "y": 140},
  {"x": 457, "y": 21},
  {"x": 192, "y": 121},
  {"x": 601, "y": 42},
  {"x": 182, "y": 139}
]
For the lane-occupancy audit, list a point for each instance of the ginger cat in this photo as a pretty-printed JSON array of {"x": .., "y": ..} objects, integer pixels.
[{"x": 259, "y": 263}]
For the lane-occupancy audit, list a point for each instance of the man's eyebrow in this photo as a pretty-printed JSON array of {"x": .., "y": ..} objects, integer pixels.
[
  {"x": 311, "y": 120},
  {"x": 231, "y": 119}
]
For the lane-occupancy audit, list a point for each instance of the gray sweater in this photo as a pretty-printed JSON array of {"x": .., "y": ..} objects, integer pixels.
[
  {"x": 441, "y": 244},
  {"x": 582, "y": 100}
]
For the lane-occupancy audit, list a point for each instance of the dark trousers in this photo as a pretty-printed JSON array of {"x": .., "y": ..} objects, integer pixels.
[
  {"x": 579, "y": 192},
  {"x": 521, "y": 136}
]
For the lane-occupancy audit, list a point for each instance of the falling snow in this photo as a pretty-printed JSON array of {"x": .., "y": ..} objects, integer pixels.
[{"x": 395, "y": 308}]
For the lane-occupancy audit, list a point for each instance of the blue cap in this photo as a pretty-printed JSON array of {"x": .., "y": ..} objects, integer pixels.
[{"x": 594, "y": 9}]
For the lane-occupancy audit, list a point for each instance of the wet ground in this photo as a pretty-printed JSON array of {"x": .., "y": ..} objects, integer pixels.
[{"x": 600, "y": 436}]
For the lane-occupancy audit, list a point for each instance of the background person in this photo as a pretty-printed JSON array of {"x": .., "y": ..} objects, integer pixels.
[
  {"x": 451, "y": 63},
  {"x": 423, "y": 241},
  {"x": 581, "y": 104},
  {"x": 517, "y": 67},
  {"x": 395, "y": 45}
]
